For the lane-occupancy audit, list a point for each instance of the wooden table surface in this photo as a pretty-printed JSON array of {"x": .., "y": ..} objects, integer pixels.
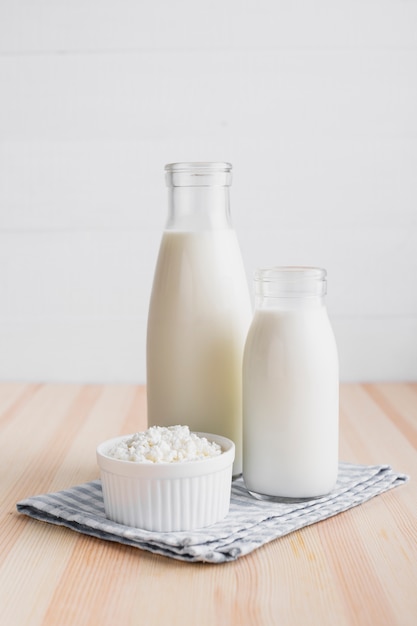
[{"x": 359, "y": 567}]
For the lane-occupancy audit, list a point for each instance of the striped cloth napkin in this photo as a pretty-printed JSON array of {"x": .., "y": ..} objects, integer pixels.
[{"x": 250, "y": 523}]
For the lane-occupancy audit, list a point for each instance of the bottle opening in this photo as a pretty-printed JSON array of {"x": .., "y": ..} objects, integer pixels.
[
  {"x": 198, "y": 174},
  {"x": 290, "y": 282}
]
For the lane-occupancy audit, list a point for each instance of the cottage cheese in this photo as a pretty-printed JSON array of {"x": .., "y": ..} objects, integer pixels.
[{"x": 160, "y": 444}]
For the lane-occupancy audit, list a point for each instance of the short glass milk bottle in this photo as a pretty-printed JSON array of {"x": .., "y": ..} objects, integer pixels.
[
  {"x": 290, "y": 388},
  {"x": 200, "y": 309}
]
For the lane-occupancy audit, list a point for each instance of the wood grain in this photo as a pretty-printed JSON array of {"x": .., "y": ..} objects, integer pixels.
[{"x": 355, "y": 569}]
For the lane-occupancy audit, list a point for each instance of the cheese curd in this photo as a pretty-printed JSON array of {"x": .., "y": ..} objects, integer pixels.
[{"x": 160, "y": 444}]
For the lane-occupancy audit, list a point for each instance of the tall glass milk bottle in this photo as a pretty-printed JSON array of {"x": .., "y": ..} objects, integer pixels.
[
  {"x": 290, "y": 388},
  {"x": 200, "y": 309}
]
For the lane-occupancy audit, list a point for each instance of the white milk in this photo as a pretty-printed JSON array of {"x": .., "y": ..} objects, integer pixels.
[
  {"x": 199, "y": 316},
  {"x": 290, "y": 403}
]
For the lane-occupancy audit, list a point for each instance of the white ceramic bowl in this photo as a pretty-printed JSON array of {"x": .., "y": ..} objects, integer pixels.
[{"x": 167, "y": 496}]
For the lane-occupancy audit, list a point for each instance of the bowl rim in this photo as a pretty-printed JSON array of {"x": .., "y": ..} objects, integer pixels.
[{"x": 197, "y": 467}]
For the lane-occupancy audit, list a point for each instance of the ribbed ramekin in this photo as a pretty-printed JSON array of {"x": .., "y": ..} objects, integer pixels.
[{"x": 167, "y": 496}]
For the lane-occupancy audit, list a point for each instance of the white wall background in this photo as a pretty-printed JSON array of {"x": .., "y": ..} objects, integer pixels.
[{"x": 314, "y": 103}]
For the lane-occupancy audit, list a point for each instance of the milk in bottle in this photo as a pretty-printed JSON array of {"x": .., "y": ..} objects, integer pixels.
[
  {"x": 290, "y": 388},
  {"x": 200, "y": 309}
]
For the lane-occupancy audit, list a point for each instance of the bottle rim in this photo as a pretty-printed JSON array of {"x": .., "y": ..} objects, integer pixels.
[
  {"x": 198, "y": 174},
  {"x": 292, "y": 273},
  {"x": 290, "y": 281},
  {"x": 199, "y": 167}
]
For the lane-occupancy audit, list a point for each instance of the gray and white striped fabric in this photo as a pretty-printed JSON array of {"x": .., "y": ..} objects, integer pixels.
[{"x": 249, "y": 524}]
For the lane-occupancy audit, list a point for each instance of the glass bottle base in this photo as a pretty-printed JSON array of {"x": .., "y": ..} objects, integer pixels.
[{"x": 284, "y": 499}]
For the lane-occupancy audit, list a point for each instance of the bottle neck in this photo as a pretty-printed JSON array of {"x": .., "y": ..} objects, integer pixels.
[
  {"x": 198, "y": 196},
  {"x": 290, "y": 288}
]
